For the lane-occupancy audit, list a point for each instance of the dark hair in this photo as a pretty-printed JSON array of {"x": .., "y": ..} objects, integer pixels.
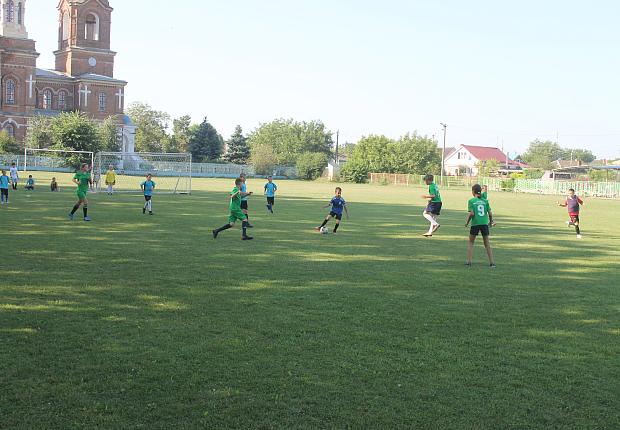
[
  {"x": 571, "y": 189},
  {"x": 476, "y": 189},
  {"x": 238, "y": 181},
  {"x": 338, "y": 188},
  {"x": 429, "y": 178},
  {"x": 12, "y": 164},
  {"x": 83, "y": 164}
]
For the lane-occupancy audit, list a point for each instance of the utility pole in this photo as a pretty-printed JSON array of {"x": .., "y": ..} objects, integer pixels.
[
  {"x": 443, "y": 152},
  {"x": 337, "y": 147}
]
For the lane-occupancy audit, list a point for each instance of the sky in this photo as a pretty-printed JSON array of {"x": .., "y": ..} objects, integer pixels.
[{"x": 498, "y": 73}]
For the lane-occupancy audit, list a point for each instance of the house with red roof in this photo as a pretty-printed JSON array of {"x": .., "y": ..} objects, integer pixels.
[{"x": 466, "y": 160}]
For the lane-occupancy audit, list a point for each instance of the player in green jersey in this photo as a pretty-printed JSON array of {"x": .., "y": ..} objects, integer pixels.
[
  {"x": 433, "y": 208},
  {"x": 236, "y": 213},
  {"x": 481, "y": 218},
  {"x": 83, "y": 181}
]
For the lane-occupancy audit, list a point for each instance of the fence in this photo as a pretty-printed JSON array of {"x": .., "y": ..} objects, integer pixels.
[{"x": 610, "y": 190}]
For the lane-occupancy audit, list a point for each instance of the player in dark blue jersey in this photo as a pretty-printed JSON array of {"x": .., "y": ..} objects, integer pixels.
[{"x": 338, "y": 205}]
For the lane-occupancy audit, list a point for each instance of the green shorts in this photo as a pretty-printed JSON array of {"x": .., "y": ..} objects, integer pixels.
[
  {"x": 82, "y": 194},
  {"x": 235, "y": 215}
]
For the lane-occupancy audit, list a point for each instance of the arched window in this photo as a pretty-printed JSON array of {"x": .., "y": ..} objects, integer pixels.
[
  {"x": 20, "y": 13},
  {"x": 102, "y": 102},
  {"x": 10, "y": 11},
  {"x": 10, "y": 130},
  {"x": 9, "y": 98},
  {"x": 47, "y": 99},
  {"x": 66, "y": 24},
  {"x": 91, "y": 30},
  {"x": 62, "y": 100}
]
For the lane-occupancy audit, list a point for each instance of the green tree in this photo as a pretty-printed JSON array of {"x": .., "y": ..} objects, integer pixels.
[
  {"x": 542, "y": 153},
  {"x": 583, "y": 155},
  {"x": 263, "y": 159},
  {"x": 238, "y": 149},
  {"x": 76, "y": 132},
  {"x": 289, "y": 139},
  {"x": 205, "y": 143},
  {"x": 151, "y": 127},
  {"x": 8, "y": 144},
  {"x": 488, "y": 167},
  {"x": 39, "y": 133},
  {"x": 109, "y": 135},
  {"x": 310, "y": 165},
  {"x": 180, "y": 133},
  {"x": 416, "y": 155}
]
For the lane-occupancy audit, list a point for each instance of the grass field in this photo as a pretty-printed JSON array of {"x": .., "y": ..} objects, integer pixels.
[{"x": 146, "y": 322}]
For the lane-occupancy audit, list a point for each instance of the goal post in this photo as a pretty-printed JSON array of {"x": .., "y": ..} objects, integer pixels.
[{"x": 172, "y": 172}]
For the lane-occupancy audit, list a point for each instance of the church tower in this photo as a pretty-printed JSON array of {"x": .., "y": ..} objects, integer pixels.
[
  {"x": 13, "y": 25},
  {"x": 84, "y": 38}
]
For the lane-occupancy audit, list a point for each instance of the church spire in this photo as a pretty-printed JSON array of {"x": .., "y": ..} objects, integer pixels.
[{"x": 13, "y": 14}]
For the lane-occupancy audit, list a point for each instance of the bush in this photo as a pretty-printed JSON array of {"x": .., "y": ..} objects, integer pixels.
[
  {"x": 310, "y": 165},
  {"x": 354, "y": 172},
  {"x": 263, "y": 159}
]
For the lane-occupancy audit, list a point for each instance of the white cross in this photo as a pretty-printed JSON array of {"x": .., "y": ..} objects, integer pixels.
[
  {"x": 120, "y": 96},
  {"x": 84, "y": 92},
  {"x": 30, "y": 82}
]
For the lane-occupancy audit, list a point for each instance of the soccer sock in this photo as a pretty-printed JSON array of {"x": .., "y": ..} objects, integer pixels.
[
  {"x": 336, "y": 227},
  {"x": 85, "y": 209},
  {"x": 222, "y": 228},
  {"x": 75, "y": 208},
  {"x": 150, "y": 206},
  {"x": 430, "y": 218},
  {"x": 324, "y": 222},
  {"x": 244, "y": 226},
  {"x": 577, "y": 229}
]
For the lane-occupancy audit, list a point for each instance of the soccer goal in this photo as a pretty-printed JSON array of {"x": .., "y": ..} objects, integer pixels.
[
  {"x": 171, "y": 172},
  {"x": 55, "y": 160}
]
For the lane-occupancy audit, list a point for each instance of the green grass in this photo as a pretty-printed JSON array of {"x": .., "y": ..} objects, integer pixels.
[{"x": 134, "y": 321}]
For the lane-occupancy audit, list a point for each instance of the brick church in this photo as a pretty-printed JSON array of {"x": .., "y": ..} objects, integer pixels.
[{"x": 83, "y": 79}]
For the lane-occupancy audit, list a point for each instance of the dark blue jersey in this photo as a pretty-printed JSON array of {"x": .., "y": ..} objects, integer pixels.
[{"x": 338, "y": 205}]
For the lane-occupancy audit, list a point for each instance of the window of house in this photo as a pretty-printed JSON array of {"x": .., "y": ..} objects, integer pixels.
[
  {"x": 66, "y": 25},
  {"x": 10, "y": 92},
  {"x": 20, "y": 13},
  {"x": 47, "y": 99},
  {"x": 10, "y": 11},
  {"x": 91, "y": 31},
  {"x": 102, "y": 102},
  {"x": 10, "y": 129},
  {"x": 62, "y": 100}
]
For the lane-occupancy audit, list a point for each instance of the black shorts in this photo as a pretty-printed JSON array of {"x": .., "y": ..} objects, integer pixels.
[
  {"x": 271, "y": 201},
  {"x": 483, "y": 229},
  {"x": 244, "y": 205},
  {"x": 5, "y": 191},
  {"x": 148, "y": 198},
  {"x": 335, "y": 215},
  {"x": 434, "y": 208}
]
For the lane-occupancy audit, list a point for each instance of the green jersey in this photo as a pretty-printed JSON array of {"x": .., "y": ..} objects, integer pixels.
[
  {"x": 235, "y": 202},
  {"x": 83, "y": 179},
  {"x": 480, "y": 208},
  {"x": 433, "y": 190},
  {"x": 485, "y": 195}
]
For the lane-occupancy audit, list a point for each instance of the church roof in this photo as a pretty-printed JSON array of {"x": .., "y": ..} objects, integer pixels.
[
  {"x": 101, "y": 78},
  {"x": 55, "y": 74},
  {"x": 51, "y": 74}
]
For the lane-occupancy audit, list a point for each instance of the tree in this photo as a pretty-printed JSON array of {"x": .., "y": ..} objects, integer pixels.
[
  {"x": 542, "y": 153},
  {"x": 583, "y": 155},
  {"x": 74, "y": 131},
  {"x": 263, "y": 159},
  {"x": 205, "y": 143},
  {"x": 238, "y": 150},
  {"x": 289, "y": 139},
  {"x": 109, "y": 135},
  {"x": 180, "y": 133},
  {"x": 486, "y": 168},
  {"x": 8, "y": 144},
  {"x": 39, "y": 132},
  {"x": 415, "y": 155},
  {"x": 151, "y": 126},
  {"x": 310, "y": 165}
]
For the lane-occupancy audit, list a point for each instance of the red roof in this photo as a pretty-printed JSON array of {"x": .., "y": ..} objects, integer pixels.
[{"x": 486, "y": 153}]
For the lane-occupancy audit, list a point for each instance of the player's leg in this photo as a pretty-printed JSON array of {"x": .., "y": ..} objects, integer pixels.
[
  {"x": 75, "y": 208},
  {"x": 325, "y": 221},
  {"x": 85, "y": 208},
  {"x": 231, "y": 224},
  {"x": 338, "y": 219},
  {"x": 487, "y": 246},
  {"x": 470, "y": 248},
  {"x": 575, "y": 221},
  {"x": 151, "y": 205}
]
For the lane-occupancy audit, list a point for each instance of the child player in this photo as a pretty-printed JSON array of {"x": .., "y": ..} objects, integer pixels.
[
  {"x": 338, "y": 205},
  {"x": 236, "y": 214},
  {"x": 54, "y": 185},
  {"x": 244, "y": 200},
  {"x": 83, "y": 181},
  {"x": 481, "y": 217},
  {"x": 270, "y": 192},
  {"x": 433, "y": 208},
  {"x": 147, "y": 188},
  {"x": 573, "y": 203},
  {"x": 14, "y": 176},
  {"x": 110, "y": 179},
  {"x": 4, "y": 188},
  {"x": 30, "y": 183}
]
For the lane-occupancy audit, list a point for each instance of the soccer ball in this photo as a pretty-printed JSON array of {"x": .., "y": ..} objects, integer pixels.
[{"x": 324, "y": 230}]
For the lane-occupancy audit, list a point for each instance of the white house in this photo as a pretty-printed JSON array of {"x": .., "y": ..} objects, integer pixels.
[{"x": 465, "y": 160}]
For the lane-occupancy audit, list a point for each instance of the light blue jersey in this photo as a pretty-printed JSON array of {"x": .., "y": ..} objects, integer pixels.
[
  {"x": 270, "y": 189},
  {"x": 244, "y": 189},
  {"x": 148, "y": 187},
  {"x": 4, "y": 182}
]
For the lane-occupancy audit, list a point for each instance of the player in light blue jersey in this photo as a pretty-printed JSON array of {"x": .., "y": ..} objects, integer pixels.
[
  {"x": 147, "y": 187},
  {"x": 4, "y": 188},
  {"x": 270, "y": 192}
]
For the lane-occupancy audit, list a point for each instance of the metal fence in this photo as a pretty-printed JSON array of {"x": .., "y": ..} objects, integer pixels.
[{"x": 494, "y": 184}]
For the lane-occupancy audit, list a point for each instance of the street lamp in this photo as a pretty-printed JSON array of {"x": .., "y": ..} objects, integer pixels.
[{"x": 443, "y": 151}]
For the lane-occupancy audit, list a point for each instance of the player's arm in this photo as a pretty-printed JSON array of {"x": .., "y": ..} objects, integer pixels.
[
  {"x": 580, "y": 201},
  {"x": 346, "y": 211},
  {"x": 75, "y": 181},
  {"x": 490, "y": 218},
  {"x": 265, "y": 193},
  {"x": 246, "y": 194},
  {"x": 469, "y": 218},
  {"x": 563, "y": 204}
]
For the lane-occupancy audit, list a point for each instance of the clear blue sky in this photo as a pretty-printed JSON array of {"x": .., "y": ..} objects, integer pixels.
[{"x": 493, "y": 71}]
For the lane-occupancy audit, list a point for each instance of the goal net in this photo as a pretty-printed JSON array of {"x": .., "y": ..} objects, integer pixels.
[
  {"x": 171, "y": 172},
  {"x": 45, "y": 164}
]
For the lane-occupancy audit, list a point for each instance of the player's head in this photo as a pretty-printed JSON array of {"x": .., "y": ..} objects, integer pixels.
[
  {"x": 53, "y": 179},
  {"x": 485, "y": 188},
  {"x": 476, "y": 190},
  {"x": 269, "y": 178},
  {"x": 3, "y": 172},
  {"x": 338, "y": 191},
  {"x": 242, "y": 177},
  {"x": 149, "y": 176},
  {"x": 429, "y": 179},
  {"x": 238, "y": 182},
  {"x": 12, "y": 164},
  {"x": 571, "y": 192},
  {"x": 84, "y": 167},
  {"x": 111, "y": 167},
  {"x": 29, "y": 176}
]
